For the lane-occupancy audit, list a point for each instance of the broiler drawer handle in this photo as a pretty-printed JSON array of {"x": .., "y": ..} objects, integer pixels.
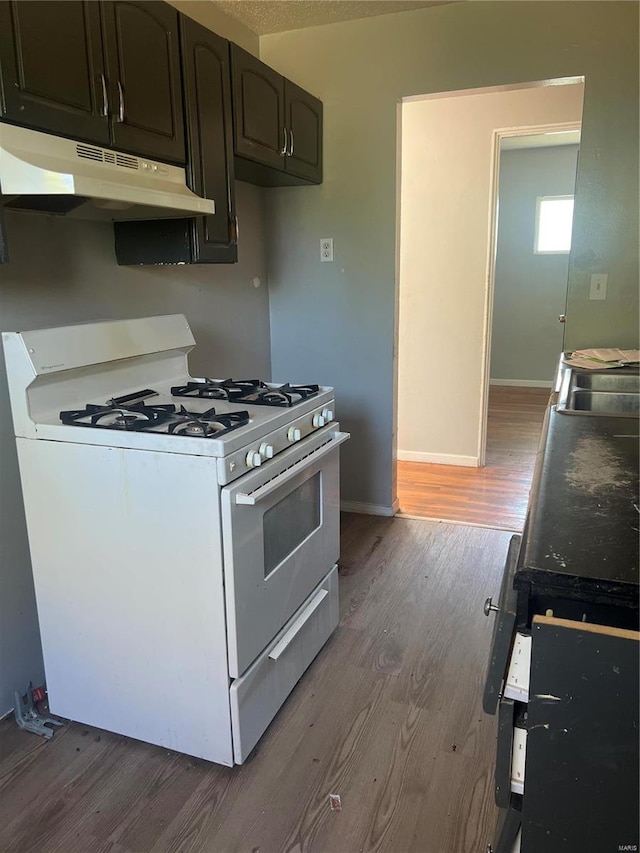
[
  {"x": 252, "y": 498},
  {"x": 297, "y": 626}
]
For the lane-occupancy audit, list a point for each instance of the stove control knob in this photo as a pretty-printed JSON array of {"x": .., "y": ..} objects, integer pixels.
[
  {"x": 294, "y": 434},
  {"x": 327, "y": 414},
  {"x": 266, "y": 451},
  {"x": 318, "y": 421},
  {"x": 253, "y": 459}
]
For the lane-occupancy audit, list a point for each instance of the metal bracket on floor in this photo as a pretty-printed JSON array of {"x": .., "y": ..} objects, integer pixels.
[{"x": 29, "y": 719}]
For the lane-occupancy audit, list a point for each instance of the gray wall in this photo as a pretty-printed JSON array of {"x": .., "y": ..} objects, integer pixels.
[
  {"x": 336, "y": 322},
  {"x": 530, "y": 290},
  {"x": 65, "y": 272}
]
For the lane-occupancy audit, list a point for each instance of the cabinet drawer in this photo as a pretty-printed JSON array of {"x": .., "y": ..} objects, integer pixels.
[
  {"x": 258, "y": 694},
  {"x": 517, "y": 681},
  {"x": 502, "y": 630},
  {"x": 511, "y": 752}
]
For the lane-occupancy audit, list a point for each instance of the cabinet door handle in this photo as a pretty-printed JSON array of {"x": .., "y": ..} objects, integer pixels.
[
  {"x": 284, "y": 137},
  {"x": 105, "y": 99},
  {"x": 291, "y": 145},
  {"x": 120, "y": 103}
]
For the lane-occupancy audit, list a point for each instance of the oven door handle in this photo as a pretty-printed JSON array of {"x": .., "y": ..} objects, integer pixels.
[
  {"x": 299, "y": 624},
  {"x": 252, "y": 498}
]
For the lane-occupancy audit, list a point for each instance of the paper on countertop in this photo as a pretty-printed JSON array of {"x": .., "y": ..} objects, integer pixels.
[{"x": 602, "y": 358}]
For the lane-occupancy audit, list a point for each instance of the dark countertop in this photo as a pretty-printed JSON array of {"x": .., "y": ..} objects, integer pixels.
[{"x": 582, "y": 530}]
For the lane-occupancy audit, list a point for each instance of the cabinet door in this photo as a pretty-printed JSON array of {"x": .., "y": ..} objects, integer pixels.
[
  {"x": 51, "y": 68},
  {"x": 258, "y": 110},
  {"x": 582, "y": 781},
  {"x": 143, "y": 62},
  {"x": 303, "y": 120},
  {"x": 207, "y": 87}
]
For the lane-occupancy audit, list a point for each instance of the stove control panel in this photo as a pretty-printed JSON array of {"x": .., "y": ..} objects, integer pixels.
[{"x": 234, "y": 465}]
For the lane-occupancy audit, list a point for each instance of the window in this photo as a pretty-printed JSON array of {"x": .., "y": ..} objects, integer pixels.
[{"x": 554, "y": 219}]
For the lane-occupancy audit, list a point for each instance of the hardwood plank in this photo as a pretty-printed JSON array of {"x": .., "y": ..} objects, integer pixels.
[
  {"x": 375, "y": 719},
  {"x": 493, "y": 496}
]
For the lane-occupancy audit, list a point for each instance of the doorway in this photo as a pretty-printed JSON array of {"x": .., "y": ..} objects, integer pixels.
[{"x": 448, "y": 258}]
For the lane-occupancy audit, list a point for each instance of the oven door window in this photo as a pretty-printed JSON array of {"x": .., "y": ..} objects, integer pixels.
[{"x": 287, "y": 524}]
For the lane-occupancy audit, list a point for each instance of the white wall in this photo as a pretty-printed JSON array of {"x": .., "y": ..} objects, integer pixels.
[
  {"x": 445, "y": 225},
  {"x": 530, "y": 290}
]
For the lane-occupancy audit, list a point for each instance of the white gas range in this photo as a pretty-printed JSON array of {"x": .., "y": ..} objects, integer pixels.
[{"x": 184, "y": 532}]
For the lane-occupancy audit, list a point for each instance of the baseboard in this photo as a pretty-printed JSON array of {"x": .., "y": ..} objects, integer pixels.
[
  {"x": 524, "y": 383},
  {"x": 438, "y": 458},
  {"x": 5, "y": 714},
  {"x": 369, "y": 509}
]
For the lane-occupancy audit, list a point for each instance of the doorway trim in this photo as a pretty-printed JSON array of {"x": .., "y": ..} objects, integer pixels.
[{"x": 498, "y": 136}]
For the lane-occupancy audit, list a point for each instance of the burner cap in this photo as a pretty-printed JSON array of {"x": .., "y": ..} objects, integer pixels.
[
  {"x": 125, "y": 421},
  {"x": 195, "y": 428}
]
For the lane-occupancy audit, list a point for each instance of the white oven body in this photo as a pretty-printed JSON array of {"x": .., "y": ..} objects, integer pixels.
[
  {"x": 137, "y": 579},
  {"x": 281, "y": 536},
  {"x": 181, "y": 594}
]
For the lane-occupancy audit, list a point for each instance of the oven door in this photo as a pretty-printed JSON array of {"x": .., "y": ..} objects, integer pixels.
[{"x": 281, "y": 537}]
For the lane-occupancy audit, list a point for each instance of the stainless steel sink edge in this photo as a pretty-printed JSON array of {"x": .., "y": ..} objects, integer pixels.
[{"x": 600, "y": 393}]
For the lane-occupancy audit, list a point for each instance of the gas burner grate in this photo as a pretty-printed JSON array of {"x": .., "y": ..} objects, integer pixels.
[
  {"x": 252, "y": 391},
  {"x": 222, "y": 389},
  {"x": 114, "y": 415},
  {"x": 208, "y": 424},
  {"x": 164, "y": 419},
  {"x": 283, "y": 395}
]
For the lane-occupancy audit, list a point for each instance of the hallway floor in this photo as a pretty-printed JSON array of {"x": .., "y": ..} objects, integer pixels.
[{"x": 493, "y": 496}]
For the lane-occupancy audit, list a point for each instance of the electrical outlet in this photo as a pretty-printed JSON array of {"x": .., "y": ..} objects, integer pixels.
[
  {"x": 598, "y": 288},
  {"x": 326, "y": 248}
]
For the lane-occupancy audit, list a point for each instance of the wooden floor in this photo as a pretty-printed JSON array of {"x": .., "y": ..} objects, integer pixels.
[
  {"x": 388, "y": 717},
  {"x": 496, "y": 495}
]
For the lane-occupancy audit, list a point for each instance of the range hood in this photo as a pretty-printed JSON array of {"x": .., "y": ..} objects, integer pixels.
[{"x": 41, "y": 173}]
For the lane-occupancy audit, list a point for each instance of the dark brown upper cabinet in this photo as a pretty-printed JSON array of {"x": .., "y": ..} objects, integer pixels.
[
  {"x": 303, "y": 115},
  {"x": 52, "y": 74},
  {"x": 207, "y": 99},
  {"x": 258, "y": 104},
  {"x": 143, "y": 73},
  {"x": 277, "y": 125},
  {"x": 102, "y": 72}
]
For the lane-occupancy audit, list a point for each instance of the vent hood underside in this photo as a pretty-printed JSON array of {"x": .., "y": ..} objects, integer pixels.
[{"x": 41, "y": 173}]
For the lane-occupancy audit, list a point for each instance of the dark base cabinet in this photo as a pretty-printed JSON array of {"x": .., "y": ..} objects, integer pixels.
[
  {"x": 582, "y": 785},
  {"x": 563, "y": 671},
  {"x": 207, "y": 96}
]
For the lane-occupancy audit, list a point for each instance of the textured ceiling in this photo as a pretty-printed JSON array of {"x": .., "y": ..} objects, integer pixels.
[{"x": 276, "y": 16}]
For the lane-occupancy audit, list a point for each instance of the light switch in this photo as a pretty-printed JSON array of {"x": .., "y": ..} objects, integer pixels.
[{"x": 598, "y": 286}]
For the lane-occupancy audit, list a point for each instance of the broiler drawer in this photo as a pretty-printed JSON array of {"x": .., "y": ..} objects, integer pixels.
[
  {"x": 258, "y": 694},
  {"x": 505, "y": 617}
]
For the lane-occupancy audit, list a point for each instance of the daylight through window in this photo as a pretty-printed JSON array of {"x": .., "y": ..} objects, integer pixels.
[{"x": 554, "y": 219}]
